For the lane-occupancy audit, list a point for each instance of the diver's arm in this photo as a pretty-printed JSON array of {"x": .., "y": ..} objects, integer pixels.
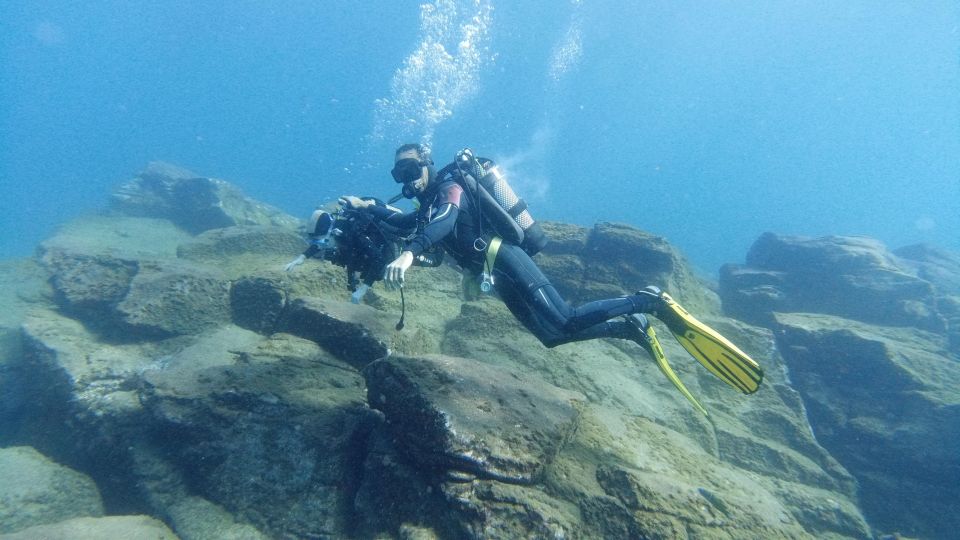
[
  {"x": 442, "y": 222},
  {"x": 311, "y": 251},
  {"x": 435, "y": 231},
  {"x": 393, "y": 274},
  {"x": 295, "y": 263},
  {"x": 355, "y": 202},
  {"x": 439, "y": 227},
  {"x": 387, "y": 214},
  {"x": 393, "y": 217}
]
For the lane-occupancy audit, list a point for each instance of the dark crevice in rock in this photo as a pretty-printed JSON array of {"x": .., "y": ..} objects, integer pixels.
[
  {"x": 881, "y": 419},
  {"x": 49, "y": 420},
  {"x": 257, "y": 304},
  {"x": 348, "y": 332}
]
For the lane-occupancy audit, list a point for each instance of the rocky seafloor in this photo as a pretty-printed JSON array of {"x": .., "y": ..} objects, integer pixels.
[{"x": 161, "y": 376}]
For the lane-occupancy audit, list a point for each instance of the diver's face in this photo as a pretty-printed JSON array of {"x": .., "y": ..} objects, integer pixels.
[{"x": 420, "y": 184}]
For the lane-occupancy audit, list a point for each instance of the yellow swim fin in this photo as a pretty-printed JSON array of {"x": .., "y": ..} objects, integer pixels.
[
  {"x": 715, "y": 352},
  {"x": 651, "y": 344}
]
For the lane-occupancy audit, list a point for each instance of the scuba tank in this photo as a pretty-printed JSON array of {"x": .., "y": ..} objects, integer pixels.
[{"x": 507, "y": 212}]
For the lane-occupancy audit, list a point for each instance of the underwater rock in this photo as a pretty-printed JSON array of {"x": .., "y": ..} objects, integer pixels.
[
  {"x": 37, "y": 491},
  {"x": 353, "y": 333},
  {"x": 654, "y": 504},
  {"x": 759, "y": 454},
  {"x": 78, "y": 393},
  {"x": 492, "y": 509},
  {"x": 463, "y": 417},
  {"x": 885, "y": 403},
  {"x": 949, "y": 307},
  {"x": 635, "y": 256},
  {"x": 395, "y": 491},
  {"x": 565, "y": 238},
  {"x": 196, "y": 518},
  {"x": 92, "y": 261},
  {"x": 23, "y": 286},
  {"x": 938, "y": 266},
  {"x": 392, "y": 491},
  {"x": 270, "y": 428},
  {"x": 851, "y": 277},
  {"x": 942, "y": 268},
  {"x": 822, "y": 512},
  {"x": 613, "y": 259},
  {"x": 99, "y": 528},
  {"x": 137, "y": 298},
  {"x": 89, "y": 285},
  {"x": 257, "y": 304},
  {"x": 120, "y": 237},
  {"x": 195, "y": 380},
  {"x": 193, "y": 202},
  {"x": 666, "y": 507},
  {"x": 462, "y": 448},
  {"x": 165, "y": 487},
  {"x": 235, "y": 241},
  {"x": 173, "y": 298}
]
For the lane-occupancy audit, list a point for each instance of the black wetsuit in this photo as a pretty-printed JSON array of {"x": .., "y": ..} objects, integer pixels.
[{"x": 447, "y": 216}]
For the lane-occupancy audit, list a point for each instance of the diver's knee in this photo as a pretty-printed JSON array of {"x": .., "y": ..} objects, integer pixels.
[{"x": 550, "y": 340}]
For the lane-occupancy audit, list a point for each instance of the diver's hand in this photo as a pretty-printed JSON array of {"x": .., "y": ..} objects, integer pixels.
[
  {"x": 359, "y": 293},
  {"x": 393, "y": 276},
  {"x": 294, "y": 263},
  {"x": 355, "y": 202}
]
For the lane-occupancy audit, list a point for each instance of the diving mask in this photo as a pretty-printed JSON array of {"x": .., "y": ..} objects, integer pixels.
[{"x": 407, "y": 170}]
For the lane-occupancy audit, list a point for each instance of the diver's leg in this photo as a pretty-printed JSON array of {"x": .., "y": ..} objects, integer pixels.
[
  {"x": 620, "y": 329},
  {"x": 539, "y": 320},
  {"x": 596, "y": 312},
  {"x": 536, "y": 303}
]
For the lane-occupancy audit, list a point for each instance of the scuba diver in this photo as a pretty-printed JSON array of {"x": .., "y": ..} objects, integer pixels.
[
  {"x": 355, "y": 240},
  {"x": 468, "y": 209}
]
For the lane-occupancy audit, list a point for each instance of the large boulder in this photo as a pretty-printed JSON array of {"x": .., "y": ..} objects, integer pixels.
[
  {"x": 37, "y": 491},
  {"x": 463, "y": 445},
  {"x": 942, "y": 268},
  {"x": 82, "y": 392},
  {"x": 194, "y": 379},
  {"x": 217, "y": 245},
  {"x": 886, "y": 403},
  {"x": 462, "y": 417},
  {"x": 355, "y": 334},
  {"x": 938, "y": 266},
  {"x": 93, "y": 528},
  {"x": 271, "y": 429},
  {"x": 147, "y": 298},
  {"x": 121, "y": 277},
  {"x": 851, "y": 277},
  {"x": 612, "y": 259},
  {"x": 23, "y": 285},
  {"x": 191, "y": 201},
  {"x": 173, "y": 298}
]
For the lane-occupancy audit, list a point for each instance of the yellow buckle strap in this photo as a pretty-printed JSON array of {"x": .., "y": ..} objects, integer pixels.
[{"x": 492, "y": 251}]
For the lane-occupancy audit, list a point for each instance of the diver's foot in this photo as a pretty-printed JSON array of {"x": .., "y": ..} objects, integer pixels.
[
  {"x": 641, "y": 334},
  {"x": 661, "y": 305},
  {"x": 649, "y": 299}
]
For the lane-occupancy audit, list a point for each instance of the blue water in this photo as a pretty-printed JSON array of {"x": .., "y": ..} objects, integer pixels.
[{"x": 705, "y": 122}]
